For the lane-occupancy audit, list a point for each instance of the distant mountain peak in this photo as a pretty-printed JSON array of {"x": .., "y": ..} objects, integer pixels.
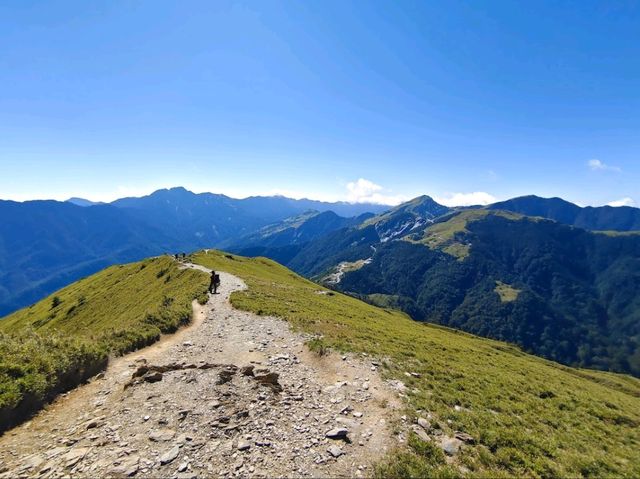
[
  {"x": 83, "y": 202},
  {"x": 409, "y": 217}
]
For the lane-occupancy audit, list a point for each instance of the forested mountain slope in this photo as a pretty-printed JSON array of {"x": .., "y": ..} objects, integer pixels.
[
  {"x": 602, "y": 218},
  {"x": 557, "y": 291}
]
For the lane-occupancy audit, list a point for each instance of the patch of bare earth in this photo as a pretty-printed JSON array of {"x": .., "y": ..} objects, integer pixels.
[{"x": 234, "y": 394}]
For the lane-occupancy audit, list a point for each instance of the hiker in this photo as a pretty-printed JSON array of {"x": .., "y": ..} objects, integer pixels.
[{"x": 215, "y": 282}]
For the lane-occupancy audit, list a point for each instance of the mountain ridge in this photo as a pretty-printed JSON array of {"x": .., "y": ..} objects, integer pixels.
[
  {"x": 35, "y": 261},
  {"x": 614, "y": 218}
]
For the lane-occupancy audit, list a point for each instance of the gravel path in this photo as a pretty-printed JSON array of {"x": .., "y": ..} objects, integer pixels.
[{"x": 233, "y": 394}]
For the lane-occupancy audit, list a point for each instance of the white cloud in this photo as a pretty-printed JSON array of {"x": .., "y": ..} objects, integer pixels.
[
  {"x": 597, "y": 165},
  {"x": 365, "y": 191},
  {"x": 627, "y": 201},
  {"x": 466, "y": 199}
]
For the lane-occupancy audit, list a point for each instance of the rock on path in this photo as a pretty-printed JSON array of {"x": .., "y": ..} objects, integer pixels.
[{"x": 235, "y": 394}]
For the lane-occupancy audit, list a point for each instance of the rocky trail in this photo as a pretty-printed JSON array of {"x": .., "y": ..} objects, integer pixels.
[{"x": 233, "y": 394}]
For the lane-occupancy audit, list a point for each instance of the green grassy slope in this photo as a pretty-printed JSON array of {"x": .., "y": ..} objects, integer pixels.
[
  {"x": 58, "y": 342},
  {"x": 530, "y": 416}
]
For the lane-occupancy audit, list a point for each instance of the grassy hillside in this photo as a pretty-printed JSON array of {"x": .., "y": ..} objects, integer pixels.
[
  {"x": 530, "y": 416},
  {"x": 447, "y": 234},
  {"x": 58, "y": 342}
]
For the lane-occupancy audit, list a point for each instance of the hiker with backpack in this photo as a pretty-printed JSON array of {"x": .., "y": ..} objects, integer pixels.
[{"x": 214, "y": 283}]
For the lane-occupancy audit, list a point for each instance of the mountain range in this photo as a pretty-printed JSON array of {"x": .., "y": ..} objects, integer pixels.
[
  {"x": 559, "y": 280},
  {"x": 556, "y": 290},
  {"x": 45, "y": 245}
]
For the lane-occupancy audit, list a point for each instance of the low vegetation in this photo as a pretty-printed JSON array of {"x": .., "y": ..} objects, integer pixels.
[
  {"x": 448, "y": 234},
  {"x": 529, "y": 416},
  {"x": 62, "y": 340},
  {"x": 506, "y": 292}
]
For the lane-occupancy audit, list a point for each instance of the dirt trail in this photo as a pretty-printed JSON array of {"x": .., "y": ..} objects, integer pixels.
[{"x": 207, "y": 414}]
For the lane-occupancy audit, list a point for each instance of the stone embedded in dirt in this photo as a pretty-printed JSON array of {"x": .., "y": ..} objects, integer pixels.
[
  {"x": 74, "y": 456},
  {"x": 335, "y": 451},
  {"x": 337, "y": 433},
  {"x": 464, "y": 437},
  {"x": 357, "y": 414},
  {"x": 421, "y": 434},
  {"x": 92, "y": 423},
  {"x": 424, "y": 424},
  {"x": 153, "y": 377},
  {"x": 247, "y": 370},
  {"x": 127, "y": 468},
  {"x": 269, "y": 379},
  {"x": 32, "y": 462},
  {"x": 397, "y": 385},
  {"x": 451, "y": 446},
  {"x": 161, "y": 435},
  {"x": 244, "y": 445},
  {"x": 183, "y": 467},
  {"x": 226, "y": 374},
  {"x": 187, "y": 343},
  {"x": 346, "y": 410},
  {"x": 170, "y": 455}
]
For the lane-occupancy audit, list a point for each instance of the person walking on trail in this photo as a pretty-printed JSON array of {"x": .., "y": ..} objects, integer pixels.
[{"x": 214, "y": 283}]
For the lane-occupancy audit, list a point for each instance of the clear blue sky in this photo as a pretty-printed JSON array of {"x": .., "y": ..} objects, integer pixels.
[{"x": 105, "y": 99}]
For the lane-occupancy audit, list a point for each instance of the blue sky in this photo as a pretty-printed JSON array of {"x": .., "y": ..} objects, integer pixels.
[{"x": 465, "y": 101}]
